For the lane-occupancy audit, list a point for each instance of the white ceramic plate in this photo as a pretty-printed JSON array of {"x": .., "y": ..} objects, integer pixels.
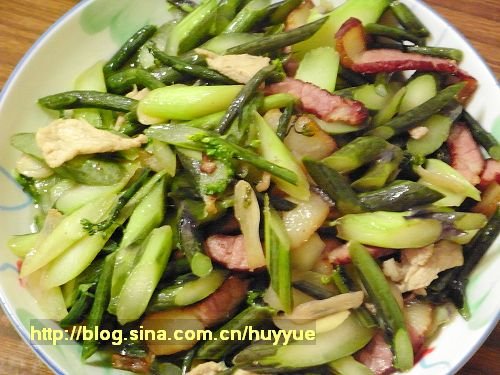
[{"x": 94, "y": 29}]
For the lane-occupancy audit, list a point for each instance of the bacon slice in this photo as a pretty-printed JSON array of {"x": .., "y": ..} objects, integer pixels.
[
  {"x": 228, "y": 251},
  {"x": 220, "y": 306},
  {"x": 326, "y": 106},
  {"x": 491, "y": 173},
  {"x": 377, "y": 355},
  {"x": 351, "y": 42},
  {"x": 391, "y": 60},
  {"x": 466, "y": 155},
  {"x": 340, "y": 254}
]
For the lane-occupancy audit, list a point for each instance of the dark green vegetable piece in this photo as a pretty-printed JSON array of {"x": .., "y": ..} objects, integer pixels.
[
  {"x": 284, "y": 121},
  {"x": 283, "y": 10},
  {"x": 194, "y": 70},
  {"x": 130, "y": 47},
  {"x": 88, "y": 99},
  {"x": 99, "y": 306},
  {"x": 190, "y": 244},
  {"x": 277, "y": 253},
  {"x": 312, "y": 289},
  {"x": 78, "y": 310},
  {"x": 169, "y": 75},
  {"x": 353, "y": 78},
  {"x": 274, "y": 42},
  {"x": 415, "y": 116},
  {"x": 276, "y": 202},
  {"x": 345, "y": 284},
  {"x": 193, "y": 29},
  {"x": 446, "y": 53},
  {"x": 253, "y": 12},
  {"x": 381, "y": 172},
  {"x": 91, "y": 274},
  {"x": 243, "y": 98},
  {"x": 335, "y": 186},
  {"x": 356, "y": 153},
  {"x": 482, "y": 136},
  {"x": 28, "y": 184},
  {"x": 442, "y": 153},
  {"x": 400, "y": 196},
  {"x": 93, "y": 228},
  {"x": 187, "y": 362},
  {"x": 124, "y": 80},
  {"x": 221, "y": 149},
  {"x": 186, "y": 290},
  {"x": 207, "y": 183},
  {"x": 92, "y": 170},
  {"x": 225, "y": 14},
  {"x": 176, "y": 267},
  {"x": 255, "y": 316},
  {"x": 380, "y": 293},
  {"x": 83, "y": 169},
  {"x": 473, "y": 252},
  {"x": 408, "y": 20},
  {"x": 391, "y": 33}
]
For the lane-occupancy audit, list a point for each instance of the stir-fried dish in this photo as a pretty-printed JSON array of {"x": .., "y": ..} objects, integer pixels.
[{"x": 285, "y": 166}]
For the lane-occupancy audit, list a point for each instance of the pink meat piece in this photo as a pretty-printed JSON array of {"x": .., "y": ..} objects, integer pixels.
[
  {"x": 228, "y": 251},
  {"x": 377, "y": 356},
  {"x": 389, "y": 60},
  {"x": 326, "y": 106},
  {"x": 362, "y": 60},
  {"x": 466, "y": 155}
]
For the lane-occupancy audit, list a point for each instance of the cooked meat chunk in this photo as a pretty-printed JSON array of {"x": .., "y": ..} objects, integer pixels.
[
  {"x": 419, "y": 267},
  {"x": 466, "y": 155},
  {"x": 64, "y": 139},
  {"x": 220, "y": 306},
  {"x": 377, "y": 355},
  {"x": 228, "y": 251},
  {"x": 326, "y": 106},
  {"x": 240, "y": 68}
]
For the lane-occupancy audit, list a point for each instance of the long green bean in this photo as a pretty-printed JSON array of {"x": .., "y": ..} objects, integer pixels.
[
  {"x": 243, "y": 97},
  {"x": 194, "y": 70},
  {"x": 280, "y": 40},
  {"x": 88, "y": 99},
  {"x": 124, "y": 80},
  {"x": 482, "y": 136},
  {"x": 409, "y": 21},
  {"x": 99, "y": 306},
  {"x": 130, "y": 47},
  {"x": 380, "y": 292},
  {"x": 391, "y": 33},
  {"x": 335, "y": 186}
]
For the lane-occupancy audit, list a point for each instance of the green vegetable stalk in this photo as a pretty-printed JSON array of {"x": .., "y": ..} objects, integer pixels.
[
  {"x": 380, "y": 293},
  {"x": 98, "y": 309},
  {"x": 190, "y": 244},
  {"x": 335, "y": 186},
  {"x": 355, "y": 154},
  {"x": 277, "y": 248}
]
